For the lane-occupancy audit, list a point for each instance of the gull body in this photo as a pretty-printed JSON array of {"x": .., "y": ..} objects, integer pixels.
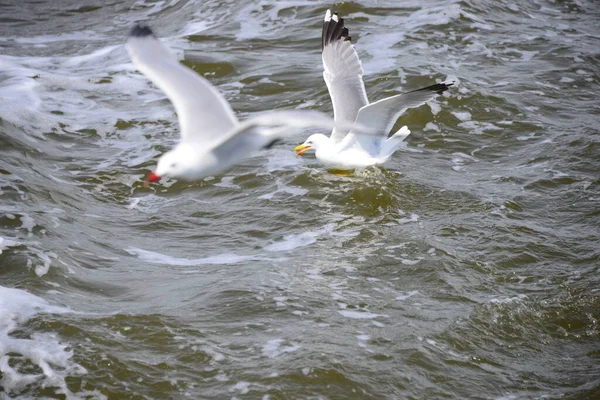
[
  {"x": 336, "y": 155},
  {"x": 212, "y": 138},
  {"x": 345, "y": 148}
]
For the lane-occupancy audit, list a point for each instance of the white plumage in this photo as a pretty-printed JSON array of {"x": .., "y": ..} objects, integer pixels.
[
  {"x": 342, "y": 72},
  {"x": 212, "y": 138}
]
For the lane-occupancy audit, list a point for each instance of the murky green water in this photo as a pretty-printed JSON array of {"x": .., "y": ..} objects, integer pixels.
[{"x": 467, "y": 267}]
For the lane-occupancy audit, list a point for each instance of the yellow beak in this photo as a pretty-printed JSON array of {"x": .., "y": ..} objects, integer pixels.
[{"x": 301, "y": 149}]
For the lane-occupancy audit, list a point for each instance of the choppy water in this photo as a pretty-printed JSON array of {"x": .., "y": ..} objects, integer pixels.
[{"x": 466, "y": 268}]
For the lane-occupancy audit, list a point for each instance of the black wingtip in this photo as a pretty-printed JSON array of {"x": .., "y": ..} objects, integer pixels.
[
  {"x": 334, "y": 30},
  {"x": 141, "y": 31},
  {"x": 271, "y": 144},
  {"x": 438, "y": 88}
]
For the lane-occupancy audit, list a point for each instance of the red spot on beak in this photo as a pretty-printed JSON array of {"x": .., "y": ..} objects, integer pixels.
[{"x": 151, "y": 178}]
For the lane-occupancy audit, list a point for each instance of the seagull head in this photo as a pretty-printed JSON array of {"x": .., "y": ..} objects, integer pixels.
[
  {"x": 183, "y": 162},
  {"x": 316, "y": 141},
  {"x": 169, "y": 166}
]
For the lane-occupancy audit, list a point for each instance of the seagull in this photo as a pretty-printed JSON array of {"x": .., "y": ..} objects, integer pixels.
[
  {"x": 345, "y": 149},
  {"x": 212, "y": 138}
]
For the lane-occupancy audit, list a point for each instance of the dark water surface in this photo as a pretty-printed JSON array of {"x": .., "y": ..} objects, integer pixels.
[{"x": 466, "y": 267}]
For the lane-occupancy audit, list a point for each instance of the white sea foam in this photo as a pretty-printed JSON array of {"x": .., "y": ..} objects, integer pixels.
[
  {"x": 276, "y": 347},
  {"x": 158, "y": 258},
  {"x": 525, "y": 54},
  {"x": 291, "y": 242},
  {"x": 363, "y": 337},
  {"x": 530, "y": 137},
  {"x": 227, "y": 182},
  {"x": 478, "y": 128},
  {"x": 430, "y": 126},
  {"x": 30, "y": 93},
  {"x": 407, "y": 295},
  {"x": 283, "y": 188},
  {"x": 46, "y": 259},
  {"x": 462, "y": 115},
  {"x": 36, "y": 255},
  {"x": 412, "y": 218},
  {"x": 222, "y": 377},
  {"x": 406, "y": 261},
  {"x": 460, "y": 159},
  {"x": 263, "y": 19},
  {"x": 240, "y": 387},
  {"x": 486, "y": 26},
  {"x": 503, "y": 300},
  {"x": 215, "y": 355},
  {"x": 478, "y": 48},
  {"x": 74, "y": 36},
  {"x": 303, "y": 239},
  {"x": 353, "y": 314},
  {"x": 435, "y": 107},
  {"x": 5, "y": 243},
  {"x": 380, "y": 47},
  {"x": 42, "y": 349}
]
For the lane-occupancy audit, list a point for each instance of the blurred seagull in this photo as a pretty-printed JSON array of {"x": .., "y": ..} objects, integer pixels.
[
  {"x": 343, "y": 73},
  {"x": 212, "y": 138}
]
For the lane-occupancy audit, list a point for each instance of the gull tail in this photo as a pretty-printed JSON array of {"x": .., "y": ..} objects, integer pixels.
[{"x": 393, "y": 143}]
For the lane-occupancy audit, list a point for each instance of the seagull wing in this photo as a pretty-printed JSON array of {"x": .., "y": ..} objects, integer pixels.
[
  {"x": 263, "y": 130},
  {"x": 204, "y": 114},
  {"x": 381, "y": 116},
  {"x": 342, "y": 73}
]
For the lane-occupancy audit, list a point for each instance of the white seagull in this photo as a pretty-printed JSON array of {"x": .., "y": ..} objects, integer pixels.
[
  {"x": 343, "y": 73},
  {"x": 212, "y": 138}
]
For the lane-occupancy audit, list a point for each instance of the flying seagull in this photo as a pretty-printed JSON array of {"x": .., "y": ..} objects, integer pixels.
[
  {"x": 343, "y": 73},
  {"x": 212, "y": 138}
]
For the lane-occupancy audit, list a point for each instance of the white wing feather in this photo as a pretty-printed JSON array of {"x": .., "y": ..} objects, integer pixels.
[
  {"x": 382, "y": 115},
  {"x": 262, "y": 130},
  {"x": 342, "y": 73},
  {"x": 204, "y": 114}
]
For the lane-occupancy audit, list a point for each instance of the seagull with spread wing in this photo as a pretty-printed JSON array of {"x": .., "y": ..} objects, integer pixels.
[
  {"x": 345, "y": 148},
  {"x": 212, "y": 138}
]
